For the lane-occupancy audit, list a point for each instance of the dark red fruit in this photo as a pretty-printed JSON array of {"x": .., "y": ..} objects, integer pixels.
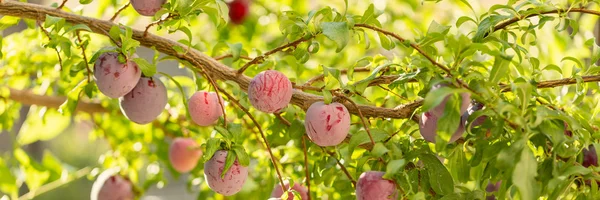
[
  {"x": 238, "y": 10},
  {"x": 492, "y": 188},
  {"x": 567, "y": 131},
  {"x": 590, "y": 158}
]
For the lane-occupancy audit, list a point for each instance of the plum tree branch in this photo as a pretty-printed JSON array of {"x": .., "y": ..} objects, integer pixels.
[
  {"x": 28, "y": 97},
  {"x": 213, "y": 67},
  {"x": 261, "y": 58},
  {"x": 519, "y": 18}
]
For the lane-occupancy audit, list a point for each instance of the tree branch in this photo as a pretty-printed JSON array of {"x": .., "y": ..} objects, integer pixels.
[
  {"x": 519, "y": 18},
  {"x": 27, "y": 97},
  {"x": 119, "y": 11},
  {"x": 213, "y": 67}
]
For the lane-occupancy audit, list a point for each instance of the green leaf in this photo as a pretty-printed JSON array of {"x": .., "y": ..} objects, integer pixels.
[
  {"x": 8, "y": 182},
  {"x": 500, "y": 69},
  {"x": 451, "y": 118},
  {"x": 524, "y": 174},
  {"x": 236, "y": 50},
  {"x": 338, "y": 32},
  {"x": 379, "y": 149},
  {"x": 440, "y": 179},
  {"x": 212, "y": 145},
  {"x": 362, "y": 137},
  {"x": 435, "y": 97},
  {"x": 115, "y": 33},
  {"x": 435, "y": 27},
  {"x": 327, "y": 97},
  {"x": 394, "y": 167},
  {"x": 224, "y": 132},
  {"x": 77, "y": 27},
  {"x": 148, "y": 69},
  {"x": 297, "y": 129},
  {"x": 368, "y": 14},
  {"x": 102, "y": 51},
  {"x": 231, "y": 156},
  {"x": 242, "y": 156},
  {"x": 51, "y": 21},
  {"x": 84, "y": 2},
  {"x": 43, "y": 126},
  {"x": 386, "y": 42}
]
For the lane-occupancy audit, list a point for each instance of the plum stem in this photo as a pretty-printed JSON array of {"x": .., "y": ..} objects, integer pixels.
[
  {"x": 262, "y": 135},
  {"x": 261, "y": 58},
  {"x": 112, "y": 19}
]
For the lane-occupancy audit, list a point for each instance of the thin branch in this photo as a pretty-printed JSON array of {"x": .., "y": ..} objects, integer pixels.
[
  {"x": 306, "y": 169},
  {"x": 390, "y": 91},
  {"x": 62, "y": 5},
  {"x": 341, "y": 166},
  {"x": 112, "y": 19},
  {"x": 413, "y": 45},
  {"x": 261, "y": 58},
  {"x": 55, "y": 184},
  {"x": 262, "y": 134},
  {"x": 519, "y": 18},
  {"x": 283, "y": 120},
  {"x": 221, "y": 57},
  {"x": 559, "y": 82},
  {"x": 87, "y": 66},
  {"x": 49, "y": 39},
  {"x": 170, "y": 16}
]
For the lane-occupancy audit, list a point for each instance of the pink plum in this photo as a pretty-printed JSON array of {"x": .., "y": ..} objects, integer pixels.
[
  {"x": 115, "y": 79},
  {"x": 204, "y": 108},
  {"x": 114, "y": 187},
  {"x": 234, "y": 178},
  {"x": 270, "y": 91},
  {"x": 147, "y": 7},
  {"x": 372, "y": 186},
  {"x": 277, "y": 192},
  {"x": 428, "y": 124},
  {"x": 327, "y": 125},
  {"x": 184, "y": 154},
  {"x": 145, "y": 102}
]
